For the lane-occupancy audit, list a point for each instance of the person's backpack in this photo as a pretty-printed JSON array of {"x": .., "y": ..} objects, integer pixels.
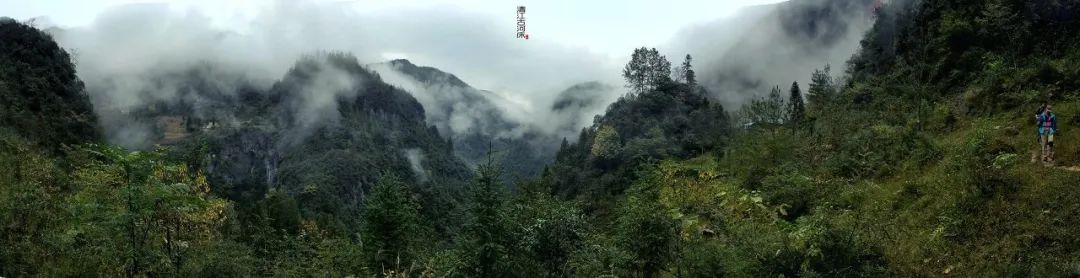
[{"x": 1048, "y": 122}]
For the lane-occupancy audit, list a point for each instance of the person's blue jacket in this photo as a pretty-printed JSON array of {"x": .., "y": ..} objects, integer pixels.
[{"x": 1047, "y": 123}]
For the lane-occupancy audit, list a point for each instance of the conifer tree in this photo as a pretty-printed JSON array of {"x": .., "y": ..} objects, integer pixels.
[
  {"x": 688, "y": 73},
  {"x": 488, "y": 237},
  {"x": 796, "y": 107},
  {"x": 390, "y": 224}
]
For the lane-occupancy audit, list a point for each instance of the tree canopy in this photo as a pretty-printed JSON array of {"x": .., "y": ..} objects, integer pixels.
[{"x": 647, "y": 70}]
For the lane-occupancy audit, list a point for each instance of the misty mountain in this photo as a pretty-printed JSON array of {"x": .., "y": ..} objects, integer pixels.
[
  {"x": 776, "y": 44},
  {"x": 579, "y": 104},
  {"x": 579, "y": 96},
  {"x": 914, "y": 164},
  {"x": 673, "y": 121},
  {"x": 471, "y": 117},
  {"x": 166, "y": 107},
  {"x": 323, "y": 133},
  {"x": 792, "y": 34},
  {"x": 453, "y": 106}
]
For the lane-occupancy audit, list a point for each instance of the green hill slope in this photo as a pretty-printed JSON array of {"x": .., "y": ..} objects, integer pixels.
[{"x": 916, "y": 165}]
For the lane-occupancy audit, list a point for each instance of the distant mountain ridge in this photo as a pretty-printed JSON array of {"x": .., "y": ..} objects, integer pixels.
[
  {"x": 452, "y": 105},
  {"x": 425, "y": 74},
  {"x": 477, "y": 124},
  {"x": 328, "y": 127}
]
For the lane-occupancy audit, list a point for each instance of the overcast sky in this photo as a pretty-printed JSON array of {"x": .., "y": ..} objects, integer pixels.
[{"x": 607, "y": 27}]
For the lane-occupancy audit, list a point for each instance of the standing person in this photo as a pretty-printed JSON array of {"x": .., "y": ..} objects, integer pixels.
[{"x": 1047, "y": 123}]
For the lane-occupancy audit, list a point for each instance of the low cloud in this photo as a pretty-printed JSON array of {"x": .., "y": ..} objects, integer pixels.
[
  {"x": 416, "y": 160},
  {"x": 319, "y": 96},
  {"x": 742, "y": 57},
  {"x": 124, "y": 55},
  {"x": 451, "y": 105},
  {"x": 129, "y": 53}
]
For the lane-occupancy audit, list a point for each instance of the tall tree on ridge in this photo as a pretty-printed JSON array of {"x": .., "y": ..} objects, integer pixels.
[
  {"x": 688, "y": 74},
  {"x": 796, "y": 107},
  {"x": 647, "y": 70}
]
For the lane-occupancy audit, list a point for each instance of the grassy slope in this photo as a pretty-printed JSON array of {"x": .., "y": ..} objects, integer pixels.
[
  {"x": 905, "y": 175},
  {"x": 1013, "y": 217}
]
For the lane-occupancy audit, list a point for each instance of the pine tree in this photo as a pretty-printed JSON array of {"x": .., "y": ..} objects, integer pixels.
[
  {"x": 822, "y": 89},
  {"x": 688, "y": 74},
  {"x": 796, "y": 107},
  {"x": 564, "y": 147},
  {"x": 390, "y": 224},
  {"x": 765, "y": 111},
  {"x": 488, "y": 237}
]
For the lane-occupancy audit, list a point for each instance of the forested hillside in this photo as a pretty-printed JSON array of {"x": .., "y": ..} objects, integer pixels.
[
  {"x": 915, "y": 158},
  {"x": 241, "y": 180},
  {"x": 470, "y": 118},
  {"x": 913, "y": 164},
  {"x": 42, "y": 99},
  {"x": 660, "y": 118}
]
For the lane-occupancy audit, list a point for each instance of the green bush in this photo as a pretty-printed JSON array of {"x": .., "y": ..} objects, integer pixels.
[
  {"x": 795, "y": 193},
  {"x": 599, "y": 256},
  {"x": 645, "y": 230}
]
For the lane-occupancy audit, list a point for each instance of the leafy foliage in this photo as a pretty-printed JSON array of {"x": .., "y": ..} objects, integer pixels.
[
  {"x": 645, "y": 230},
  {"x": 116, "y": 213},
  {"x": 767, "y": 111},
  {"x": 647, "y": 70},
  {"x": 157, "y": 210}
]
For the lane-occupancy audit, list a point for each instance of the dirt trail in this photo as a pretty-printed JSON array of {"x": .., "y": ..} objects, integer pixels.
[
  {"x": 1035, "y": 159},
  {"x": 1070, "y": 168}
]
